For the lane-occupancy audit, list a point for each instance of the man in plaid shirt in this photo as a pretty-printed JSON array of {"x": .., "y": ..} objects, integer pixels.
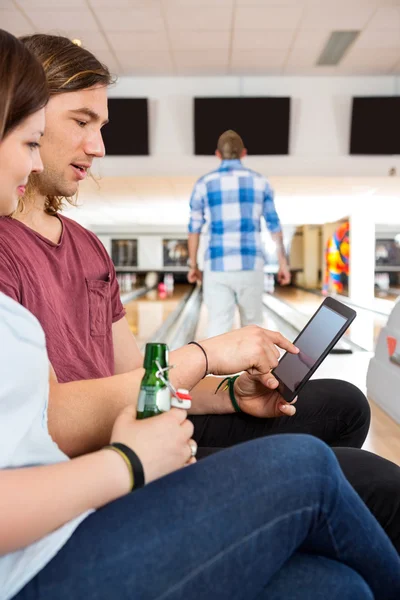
[{"x": 233, "y": 200}]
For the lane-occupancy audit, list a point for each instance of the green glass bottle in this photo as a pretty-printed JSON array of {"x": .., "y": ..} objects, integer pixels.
[{"x": 154, "y": 396}]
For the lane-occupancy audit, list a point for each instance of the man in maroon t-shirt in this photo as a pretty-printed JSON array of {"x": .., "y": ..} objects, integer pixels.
[
  {"x": 61, "y": 272},
  {"x": 63, "y": 275}
]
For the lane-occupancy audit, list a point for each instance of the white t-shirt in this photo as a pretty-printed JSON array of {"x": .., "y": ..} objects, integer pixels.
[{"x": 24, "y": 437}]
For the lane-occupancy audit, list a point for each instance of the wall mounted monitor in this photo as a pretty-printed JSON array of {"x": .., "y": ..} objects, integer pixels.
[
  {"x": 127, "y": 133},
  {"x": 375, "y": 125},
  {"x": 263, "y": 123}
]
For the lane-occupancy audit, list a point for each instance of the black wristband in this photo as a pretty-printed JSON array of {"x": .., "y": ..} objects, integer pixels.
[
  {"x": 205, "y": 356},
  {"x": 135, "y": 462}
]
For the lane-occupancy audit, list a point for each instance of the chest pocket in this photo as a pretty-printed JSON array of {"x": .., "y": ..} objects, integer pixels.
[{"x": 100, "y": 319}]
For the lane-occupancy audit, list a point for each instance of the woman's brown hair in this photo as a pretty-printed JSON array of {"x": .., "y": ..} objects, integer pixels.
[
  {"x": 23, "y": 86},
  {"x": 68, "y": 68}
]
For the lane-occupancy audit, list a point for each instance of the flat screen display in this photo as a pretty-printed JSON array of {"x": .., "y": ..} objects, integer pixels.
[
  {"x": 127, "y": 133},
  {"x": 375, "y": 125},
  {"x": 263, "y": 123},
  {"x": 312, "y": 342}
]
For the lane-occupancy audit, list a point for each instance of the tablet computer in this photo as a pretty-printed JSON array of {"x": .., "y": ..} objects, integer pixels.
[{"x": 315, "y": 341}]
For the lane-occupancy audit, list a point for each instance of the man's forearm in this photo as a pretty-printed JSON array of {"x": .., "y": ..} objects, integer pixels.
[
  {"x": 81, "y": 414},
  {"x": 280, "y": 248},
  {"x": 193, "y": 248}
]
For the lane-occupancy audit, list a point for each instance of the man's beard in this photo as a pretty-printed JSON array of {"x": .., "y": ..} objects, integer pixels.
[{"x": 48, "y": 184}]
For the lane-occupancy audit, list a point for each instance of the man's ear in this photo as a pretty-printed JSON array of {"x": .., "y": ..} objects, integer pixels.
[
  {"x": 244, "y": 153},
  {"x": 218, "y": 154}
]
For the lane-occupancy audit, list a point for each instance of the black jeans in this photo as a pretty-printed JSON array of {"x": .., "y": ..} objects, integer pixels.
[{"x": 336, "y": 412}]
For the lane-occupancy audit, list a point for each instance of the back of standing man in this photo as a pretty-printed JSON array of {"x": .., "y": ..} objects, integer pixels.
[{"x": 233, "y": 200}]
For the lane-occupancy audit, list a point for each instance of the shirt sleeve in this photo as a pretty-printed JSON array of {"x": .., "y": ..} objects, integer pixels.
[
  {"x": 197, "y": 204},
  {"x": 269, "y": 211},
  {"x": 10, "y": 281}
]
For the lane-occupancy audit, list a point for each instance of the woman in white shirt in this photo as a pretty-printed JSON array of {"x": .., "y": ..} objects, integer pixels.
[{"x": 272, "y": 518}]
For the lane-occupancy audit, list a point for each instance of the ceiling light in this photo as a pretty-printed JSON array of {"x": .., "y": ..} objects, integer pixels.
[
  {"x": 335, "y": 48},
  {"x": 77, "y": 42}
]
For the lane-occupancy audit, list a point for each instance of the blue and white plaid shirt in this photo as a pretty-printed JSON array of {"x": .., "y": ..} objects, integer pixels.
[{"x": 232, "y": 201}]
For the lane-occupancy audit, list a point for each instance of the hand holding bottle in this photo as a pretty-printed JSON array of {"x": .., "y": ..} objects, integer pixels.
[{"x": 163, "y": 443}]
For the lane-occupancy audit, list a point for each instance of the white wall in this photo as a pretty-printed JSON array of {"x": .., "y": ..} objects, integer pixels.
[{"x": 320, "y": 124}]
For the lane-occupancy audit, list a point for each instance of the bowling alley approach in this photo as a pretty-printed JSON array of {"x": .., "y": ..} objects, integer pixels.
[{"x": 200, "y": 299}]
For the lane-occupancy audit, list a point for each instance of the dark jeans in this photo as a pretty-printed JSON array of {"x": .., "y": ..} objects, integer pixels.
[
  {"x": 268, "y": 520},
  {"x": 336, "y": 412}
]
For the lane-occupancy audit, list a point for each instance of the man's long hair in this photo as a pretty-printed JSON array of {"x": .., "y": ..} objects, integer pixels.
[{"x": 68, "y": 68}]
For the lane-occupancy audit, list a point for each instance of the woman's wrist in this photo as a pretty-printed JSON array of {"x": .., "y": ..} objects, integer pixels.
[{"x": 116, "y": 473}]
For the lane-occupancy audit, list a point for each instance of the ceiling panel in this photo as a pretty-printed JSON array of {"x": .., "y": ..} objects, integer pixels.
[
  {"x": 200, "y": 40},
  {"x": 310, "y": 71},
  {"x": 126, "y": 41},
  {"x": 382, "y": 61},
  {"x": 48, "y": 20},
  {"x": 338, "y": 17},
  {"x": 146, "y": 63},
  {"x": 295, "y": 3},
  {"x": 389, "y": 38},
  {"x": 148, "y": 18},
  {"x": 206, "y": 18},
  {"x": 267, "y": 17},
  {"x": 40, "y": 4},
  {"x": 213, "y": 63},
  {"x": 123, "y": 3},
  {"x": 387, "y": 17},
  {"x": 257, "y": 61},
  {"x": 12, "y": 20},
  {"x": 275, "y": 39},
  {"x": 311, "y": 39},
  {"x": 179, "y": 4}
]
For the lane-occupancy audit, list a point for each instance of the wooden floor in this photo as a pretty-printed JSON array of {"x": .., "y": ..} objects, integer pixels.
[{"x": 384, "y": 435}]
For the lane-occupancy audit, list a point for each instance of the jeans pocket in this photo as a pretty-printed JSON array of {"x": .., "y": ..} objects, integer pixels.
[{"x": 99, "y": 306}]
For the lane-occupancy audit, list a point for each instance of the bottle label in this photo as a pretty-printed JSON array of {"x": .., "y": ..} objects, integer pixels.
[{"x": 150, "y": 397}]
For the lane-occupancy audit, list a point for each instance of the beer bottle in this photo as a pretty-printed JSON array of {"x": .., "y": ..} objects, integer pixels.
[{"x": 154, "y": 396}]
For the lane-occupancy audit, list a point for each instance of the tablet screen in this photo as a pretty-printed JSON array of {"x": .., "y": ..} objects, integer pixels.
[{"x": 312, "y": 342}]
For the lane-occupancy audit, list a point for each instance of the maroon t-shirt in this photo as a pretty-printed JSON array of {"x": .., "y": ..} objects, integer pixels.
[{"x": 71, "y": 287}]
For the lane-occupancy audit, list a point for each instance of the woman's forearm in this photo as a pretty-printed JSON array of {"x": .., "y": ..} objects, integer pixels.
[{"x": 34, "y": 501}]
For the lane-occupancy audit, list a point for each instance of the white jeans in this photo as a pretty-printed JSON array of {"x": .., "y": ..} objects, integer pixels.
[{"x": 223, "y": 290}]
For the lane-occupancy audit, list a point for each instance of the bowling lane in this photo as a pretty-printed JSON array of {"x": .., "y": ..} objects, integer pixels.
[
  {"x": 146, "y": 314},
  {"x": 364, "y": 330},
  {"x": 271, "y": 321}
]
